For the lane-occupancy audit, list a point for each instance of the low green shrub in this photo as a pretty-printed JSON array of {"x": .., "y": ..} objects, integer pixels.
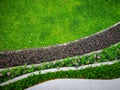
[
  {"x": 99, "y": 72},
  {"x": 92, "y": 58}
]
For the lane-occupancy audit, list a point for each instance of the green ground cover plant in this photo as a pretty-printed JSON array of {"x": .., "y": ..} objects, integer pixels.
[
  {"x": 38, "y": 23},
  {"x": 103, "y": 56},
  {"x": 99, "y": 72}
]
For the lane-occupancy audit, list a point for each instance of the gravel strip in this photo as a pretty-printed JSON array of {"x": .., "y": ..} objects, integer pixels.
[{"x": 35, "y": 65}]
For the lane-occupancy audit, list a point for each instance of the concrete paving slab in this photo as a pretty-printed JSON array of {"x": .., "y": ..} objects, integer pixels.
[{"x": 78, "y": 84}]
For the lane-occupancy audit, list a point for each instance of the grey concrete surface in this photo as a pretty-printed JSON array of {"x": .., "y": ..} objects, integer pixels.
[{"x": 78, "y": 84}]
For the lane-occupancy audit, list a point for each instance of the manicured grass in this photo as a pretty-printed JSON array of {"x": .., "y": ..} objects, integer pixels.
[
  {"x": 108, "y": 54},
  {"x": 38, "y": 23},
  {"x": 100, "y": 72}
]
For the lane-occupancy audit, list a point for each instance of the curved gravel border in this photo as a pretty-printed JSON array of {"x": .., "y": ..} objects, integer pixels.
[
  {"x": 35, "y": 65},
  {"x": 55, "y": 70},
  {"x": 79, "y": 47},
  {"x": 78, "y": 84}
]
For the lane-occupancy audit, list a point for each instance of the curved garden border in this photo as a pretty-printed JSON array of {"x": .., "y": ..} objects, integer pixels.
[
  {"x": 79, "y": 47},
  {"x": 56, "y": 70}
]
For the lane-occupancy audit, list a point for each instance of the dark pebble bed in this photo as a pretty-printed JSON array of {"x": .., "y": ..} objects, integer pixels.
[{"x": 85, "y": 45}]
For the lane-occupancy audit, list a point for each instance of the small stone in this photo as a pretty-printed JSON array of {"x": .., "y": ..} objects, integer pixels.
[
  {"x": 54, "y": 62},
  {"x": 8, "y": 73},
  {"x": 1, "y": 74},
  {"x": 98, "y": 57},
  {"x": 95, "y": 56}
]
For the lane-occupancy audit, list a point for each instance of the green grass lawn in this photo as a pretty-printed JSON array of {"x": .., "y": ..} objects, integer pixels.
[{"x": 38, "y": 23}]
